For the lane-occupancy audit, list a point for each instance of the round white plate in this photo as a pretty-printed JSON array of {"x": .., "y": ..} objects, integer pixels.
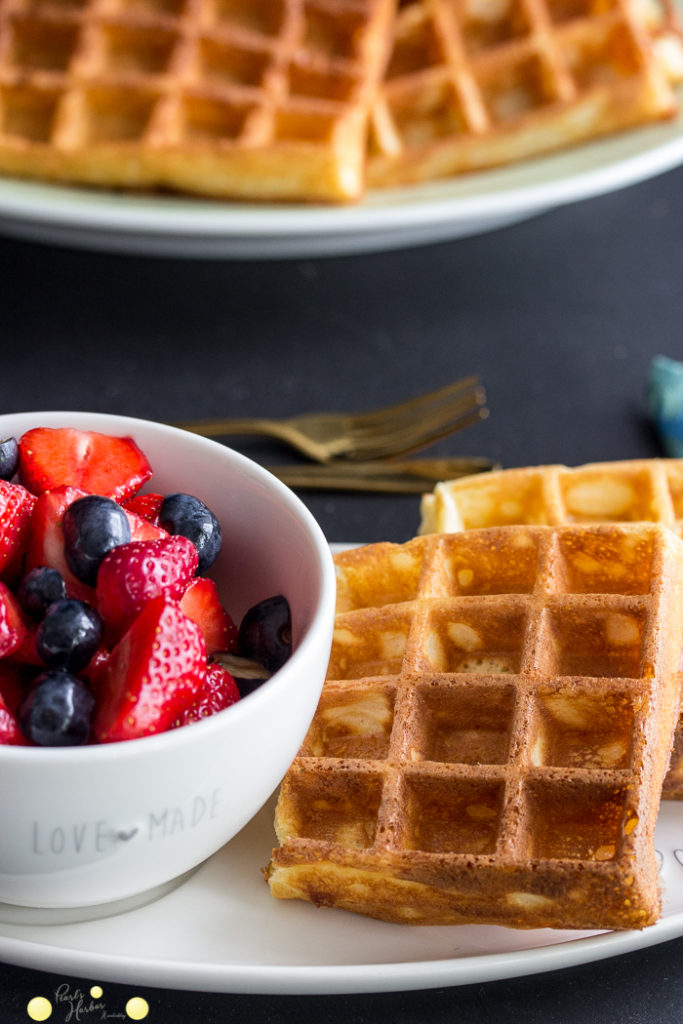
[
  {"x": 175, "y": 226},
  {"x": 221, "y": 931}
]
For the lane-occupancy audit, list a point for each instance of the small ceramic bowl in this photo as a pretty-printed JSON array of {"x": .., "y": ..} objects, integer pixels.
[{"x": 90, "y": 826}]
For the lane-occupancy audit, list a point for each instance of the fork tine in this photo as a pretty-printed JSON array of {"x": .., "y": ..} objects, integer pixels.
[
  {"x": 410, "y": 443},
  {"x": 438, "y": 421},
  {"x": 431, "y": 416},
  {"x": 416, "y": 406}
]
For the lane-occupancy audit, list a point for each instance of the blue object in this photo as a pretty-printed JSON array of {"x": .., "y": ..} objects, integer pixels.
[
  {"x": 187, "y": 516},
  {"x": 92, "y": 526},
  {"x": 665, "y": 400}
]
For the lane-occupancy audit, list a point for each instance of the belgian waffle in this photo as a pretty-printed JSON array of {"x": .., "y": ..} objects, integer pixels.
[
  {"x": 477, "y": 83},
  {"x": 641, "y": 490},
  {"x": 246, "y": 98},
  {"x": 493, "y": 733},
  {"x": 638, "y": 490}
]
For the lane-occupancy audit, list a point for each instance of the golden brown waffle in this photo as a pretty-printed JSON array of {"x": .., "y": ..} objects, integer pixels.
[
  {"x": 266, "y": 99},
  {"x": 638, "y": 490},
  {"x": 641, "y": 490},
  {"x": 494, "y": 730},
  {"x": 477, "y": 83}
]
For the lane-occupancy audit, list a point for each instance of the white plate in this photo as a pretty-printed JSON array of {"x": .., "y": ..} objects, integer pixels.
[
  {"x": 173, "y": 226},
  {"x": 220, "y": 930}
]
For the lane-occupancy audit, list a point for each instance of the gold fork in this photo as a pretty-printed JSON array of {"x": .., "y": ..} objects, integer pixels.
[{"x": 378, "y": 434}]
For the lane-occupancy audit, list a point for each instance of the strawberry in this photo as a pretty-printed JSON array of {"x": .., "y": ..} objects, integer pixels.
[
  {"x": 141, "y": 528},
  {"x": 154, "y": 673},
  {"x": 56, "y": 457},
  {"x": 13, "y": 628},
  {"x": 10, "y": 731},
  {"x": 217, "y": 692},
  {"x": 26, "y": 653},
  {"x": 133, "y": 574},
  {"x": 16, "y": 508},
  {"x": 46, "y": 542},
  {"x": 147, "y": 506},
  {"x": 95, "y": 672},
  {"x": 11, "y": 686},
  {"x": 11, "y": 690},
  {"x": 46, "y": 538},
  {"x": 202, "y": 604}
]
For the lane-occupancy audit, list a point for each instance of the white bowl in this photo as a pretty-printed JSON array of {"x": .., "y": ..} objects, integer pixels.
[{"x": 86, "y": 826}]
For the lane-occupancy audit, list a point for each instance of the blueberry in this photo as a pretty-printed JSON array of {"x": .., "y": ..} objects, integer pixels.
[
  {"x": 40, "y": 588},
  {"x": 92, "y": 526},
  {"x": 69, "y": 635},
  {"x": 9, "y": 458},
  {"x": 188, "y": 516},
  {"x": 57, "y": 710},
  {"x": 265, "y": 633}
]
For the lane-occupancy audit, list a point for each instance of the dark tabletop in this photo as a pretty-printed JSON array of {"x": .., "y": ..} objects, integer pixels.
[{"x": 561, "y": 316}]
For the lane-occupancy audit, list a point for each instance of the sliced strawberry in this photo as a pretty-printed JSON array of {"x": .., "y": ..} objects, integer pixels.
[
  {"x": 46, "y": 542},
  {"x": 11, "y": 686},
  {"x": 133, "y": 574},
  {"x": 95, "y": 672},
  {"x": 202, "y": 603},
  {"x": 147, "y": 506},
  {"x": 218, "y": 691},
  {"x": 46, "y": 537},
  {"x": 154, "y": 673},
  {"x": 141, "y": 528},
  {"x": 27, "y": 653},
  {"x": 13, "y": 628},
  {"x": 16, "y": 508},
  {"x": 10, "y": 731},
  {"x": 52, "y": 457}
]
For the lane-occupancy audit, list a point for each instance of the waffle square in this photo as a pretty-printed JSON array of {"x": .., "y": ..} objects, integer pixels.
[
  {"x": 493, "y": 733},
  {"x": 639, "y": 490},
  {"x": 264, "y": 100},
  {"x": 479, "y": 83}
]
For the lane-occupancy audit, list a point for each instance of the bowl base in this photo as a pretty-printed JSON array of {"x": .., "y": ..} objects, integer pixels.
[{"x": 11, "y": 913}]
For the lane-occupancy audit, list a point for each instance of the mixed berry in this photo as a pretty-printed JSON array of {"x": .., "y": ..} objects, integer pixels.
[{"x": 110, "y": 628}]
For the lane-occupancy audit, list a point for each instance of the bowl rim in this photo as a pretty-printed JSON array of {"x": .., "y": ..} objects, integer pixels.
[{"x": 323, "y": 616}]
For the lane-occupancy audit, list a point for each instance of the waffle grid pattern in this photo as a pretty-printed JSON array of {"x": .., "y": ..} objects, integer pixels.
[
  {"x": 474, "y": 84},
  {"x": 499, "y": 701},
  {"x": 640, "y": 490},
  {"x": 200, "y": 94}
]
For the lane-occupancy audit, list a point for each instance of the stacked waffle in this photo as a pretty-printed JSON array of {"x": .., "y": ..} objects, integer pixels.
[
  {"x": 494, "y": 731},
  {"x": 480, "y": 83},
  {"x": 640, "y": 490},
  {"x": 317, "y": 99},
  {"x": 258, "y": 98}
]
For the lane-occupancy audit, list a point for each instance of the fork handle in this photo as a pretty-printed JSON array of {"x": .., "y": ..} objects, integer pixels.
[
  {"x": 413, "y": 476},
  {"x": 221, "y": 428}
]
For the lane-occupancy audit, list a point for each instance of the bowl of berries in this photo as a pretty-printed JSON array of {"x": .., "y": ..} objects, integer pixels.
[{"x": 166, "y": 615}]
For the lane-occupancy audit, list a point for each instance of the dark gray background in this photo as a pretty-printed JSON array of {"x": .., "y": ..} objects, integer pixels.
[{"x": 560, "y": 316}]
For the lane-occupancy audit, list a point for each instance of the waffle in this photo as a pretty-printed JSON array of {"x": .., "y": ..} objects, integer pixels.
[
  {"x": 638, "y": 490},
  {"x": 473, "y": 84},
  {"x": 493, "y": 733},
  {"x": 263, "y": 99},
  {"x": 645, "y": 490}
]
